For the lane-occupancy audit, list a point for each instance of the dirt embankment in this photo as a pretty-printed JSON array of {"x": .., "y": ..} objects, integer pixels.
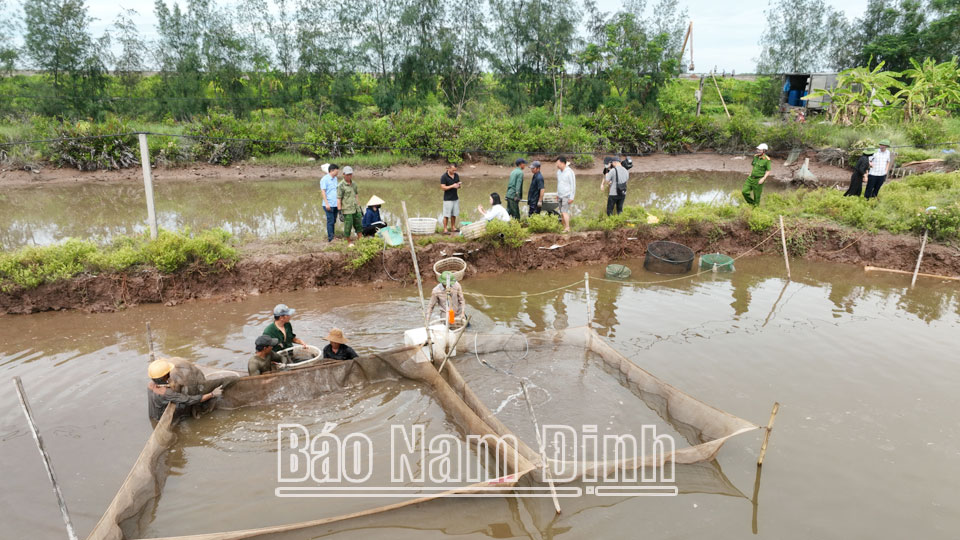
[
  {"x": 249, "y": 171},
  {"x": 256, "y": 274}
]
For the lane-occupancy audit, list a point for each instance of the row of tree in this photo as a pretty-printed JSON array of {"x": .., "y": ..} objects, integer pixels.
[
  {"x": 335, "y": 54},
  {"x": 808, "y": 35}
]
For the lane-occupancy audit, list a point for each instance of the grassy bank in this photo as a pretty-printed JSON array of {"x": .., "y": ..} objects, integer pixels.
[{"x": 901, "y": 208}]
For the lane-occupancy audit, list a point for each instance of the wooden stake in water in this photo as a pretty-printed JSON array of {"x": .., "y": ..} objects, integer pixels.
[
  {"x": 148, "y": 185},
  {"x": 28, "y": 412},
  {"x": 923, "y": 246},
  {"x": 153, "y": 355},
  {"x": 586, "y": 288},
  {"x": 766, "y": 436},
  {"x": 543, "y": 449},
  {"x": 416, "y": 270},
  {"x": 783, "y": 240}
]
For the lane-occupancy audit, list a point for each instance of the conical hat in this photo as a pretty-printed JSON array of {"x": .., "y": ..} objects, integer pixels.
[{"x": 375, "y": 201}]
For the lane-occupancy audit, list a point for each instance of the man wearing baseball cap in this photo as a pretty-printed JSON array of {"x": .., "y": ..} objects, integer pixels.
[
  {"x": 537, "y": 189},
  {"x": 348, "y": 201},
  {"x": 753, "y": 187},
  {"x": 515, "y": 188},
  {"x": 266, "y": 359},
  {"x": 281, "y": 329}
]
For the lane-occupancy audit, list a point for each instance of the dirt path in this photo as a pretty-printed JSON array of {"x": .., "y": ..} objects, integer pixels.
[
  {"x": 278, "y": 272},
  {"x": 251, "y": 171}
]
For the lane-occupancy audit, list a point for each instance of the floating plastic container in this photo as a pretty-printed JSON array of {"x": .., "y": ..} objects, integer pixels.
[
  {"x": 716, "y": 262},
  {"x": 618, "y": 271},
  {"x": 665, "y": 257}
]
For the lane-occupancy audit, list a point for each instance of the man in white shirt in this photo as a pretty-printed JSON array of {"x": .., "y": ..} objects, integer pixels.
[
  {"x": 880, "y": 164},
  {"x": 566, "y": 190},
  {"x": 328, "y": 184}
]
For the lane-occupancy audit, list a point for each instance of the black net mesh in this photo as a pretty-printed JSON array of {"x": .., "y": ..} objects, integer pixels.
[{"x": 668, "y": 258}]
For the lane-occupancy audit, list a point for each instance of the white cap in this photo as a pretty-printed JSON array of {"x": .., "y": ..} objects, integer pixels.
[
  {"x": 347, "y": 170},
  {"x": 762, "y": 146},
  {"x": 281, "y": 310},
  {"x": 325, "y": 167}
]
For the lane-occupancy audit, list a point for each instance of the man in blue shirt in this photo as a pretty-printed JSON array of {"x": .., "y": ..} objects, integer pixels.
[
  {"x": 328, "y": 184},
  {"x": 535, "y": 195}
]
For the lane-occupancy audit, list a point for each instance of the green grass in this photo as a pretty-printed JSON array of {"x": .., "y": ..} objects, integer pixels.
[{"x": 32, "y": 266}]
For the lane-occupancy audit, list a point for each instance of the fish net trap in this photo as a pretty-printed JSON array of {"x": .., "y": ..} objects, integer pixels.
[
  {"x": 716, "y": 262},
  {"x": 700, "y": 429},
  {"x": 664, "y": 257}
]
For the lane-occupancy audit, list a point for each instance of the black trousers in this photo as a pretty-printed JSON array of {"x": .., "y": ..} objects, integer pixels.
[
  {"x": 873, "y": 185},
  {"x": 615, "y": 202},
  {"x": 856, "y": 185}
]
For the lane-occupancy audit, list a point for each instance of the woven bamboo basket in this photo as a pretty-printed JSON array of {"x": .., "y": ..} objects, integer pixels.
[
  {"x": 422, "y": 225},
  {"x": 454, "y": 264},
  {"x": 474, "y": 230}
]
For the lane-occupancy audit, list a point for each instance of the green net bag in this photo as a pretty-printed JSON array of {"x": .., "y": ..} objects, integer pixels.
[{"x": 716, "y": 262}]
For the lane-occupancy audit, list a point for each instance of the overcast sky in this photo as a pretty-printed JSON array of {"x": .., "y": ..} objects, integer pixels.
[{"x": 725, "y": 33}]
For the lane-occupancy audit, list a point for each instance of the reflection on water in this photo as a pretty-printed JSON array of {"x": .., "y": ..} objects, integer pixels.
[
  {"x": 45, "y": 215},
  {"x": 865, "y": 367}
]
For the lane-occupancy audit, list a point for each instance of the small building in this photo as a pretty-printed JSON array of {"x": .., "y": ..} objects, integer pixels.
[{"x": 796, "y": 86}]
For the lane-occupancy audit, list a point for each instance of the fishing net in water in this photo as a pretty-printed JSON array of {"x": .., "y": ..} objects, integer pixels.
[
  {"x": 617, "y": 271},
  {"x": 704, "y": 428},
  {"x": 716, "y": 262},
  {"x": 664, "y": 257}
]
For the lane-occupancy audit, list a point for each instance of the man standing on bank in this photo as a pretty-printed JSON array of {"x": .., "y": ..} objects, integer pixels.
[
  {"x": 348, "y": 201},
  {"x": 449, "y": 183},
  {"x": 615, "y": 178},
  {"x": 762, "y": 165},
  {"x": 537, "y": 189},
  {"x": 328, "y": 184},
  {"x": 566, "y": 190},
  {"x": 880, "y": 165},
  {"x": 859, "y": 174},
  {"x": 515, "y": 188}
]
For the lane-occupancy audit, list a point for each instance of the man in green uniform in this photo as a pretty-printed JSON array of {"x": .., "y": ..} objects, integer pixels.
[
  {"x": 762, "y": 165},
  {"x": 281, "y": 328},
  {"x": 515, "y": 189},
  {"x": 266, "y": 359},
  {"x": 348, "y": 202}
]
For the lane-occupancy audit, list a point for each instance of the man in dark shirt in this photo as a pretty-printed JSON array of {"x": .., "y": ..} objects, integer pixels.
[
  {"x": 338, "y": 348},
  {"x": 159, "y": 393},
  {"x": 281, "y": 328},
  {"x": 449, "y": 183},
  {"x": 535, "y": 195},
  {"x": 265, "y": 360}
]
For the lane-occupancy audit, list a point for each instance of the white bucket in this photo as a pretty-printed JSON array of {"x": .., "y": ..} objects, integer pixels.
[{"x": 442, "y": 338}]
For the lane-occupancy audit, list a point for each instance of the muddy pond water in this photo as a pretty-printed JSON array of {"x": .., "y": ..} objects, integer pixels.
[
  {"x": 866, "y": 445},
  {"x": 48, "y": 214}
]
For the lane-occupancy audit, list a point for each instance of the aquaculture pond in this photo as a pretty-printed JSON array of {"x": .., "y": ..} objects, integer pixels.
[{"x": 865, "y": 445}]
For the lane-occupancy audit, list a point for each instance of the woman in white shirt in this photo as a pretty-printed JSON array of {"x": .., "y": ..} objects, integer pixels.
[{"x": 497, "y": 211}]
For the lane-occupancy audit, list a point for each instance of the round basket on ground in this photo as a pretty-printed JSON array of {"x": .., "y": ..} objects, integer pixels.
[
  {"x": 474, "y": 230},
  {"x": 665, "y": 257},
  {"x": 618, "y": 271},
  {"x": 454, "y": 264},
  {"x": 422, "y": 225},
  {"x": 717, "y": 262}
]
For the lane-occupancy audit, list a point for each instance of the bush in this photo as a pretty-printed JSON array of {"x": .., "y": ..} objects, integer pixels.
[
  {"x": 102, "y": 151},
  {"x": 363, "y": 251},
  {"x": 510, "y": 233},
  {"x": 758, "y": 220},
  {"x": 926, "y": 132},
  {"x": 543, "y": 223}
]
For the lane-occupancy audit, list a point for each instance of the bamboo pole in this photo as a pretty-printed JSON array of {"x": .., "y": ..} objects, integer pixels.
[
  {"x": 766, "y": 436},
  {"x": 28, "y": 412},
  {"x": 893, "y": 271},
  {"x": 455, "y": 342},
  {"x": 783, "y": 240},
  {"x": 923, "y": 246},
  {"x": 756, "y": 499},
  {"x": 586, "y": 288},
  {"x": 416, "y": 270},
  {"x": 153, "y": 355},
  {"x": 721, "y": 95},
  {"x": 148, "y": 184},
  {"x": 543, "y": 450}
]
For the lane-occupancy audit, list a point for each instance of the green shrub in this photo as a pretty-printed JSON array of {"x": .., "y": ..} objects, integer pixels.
[
  {"x": 543, "y": 223},
  {"x": 107, "y": 149},
  {"x": 510, "y": 233},
  {"x": 758, "y": 219},
  {"x": 363, "y": 251},
  {"x": 906, "y": 155},
  {"x": 926, "y": 132}
]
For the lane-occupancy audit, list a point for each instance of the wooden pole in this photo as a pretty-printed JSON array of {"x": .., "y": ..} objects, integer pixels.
[
  {"x": 766, "y": 436},
  {"x": 153, "y": 355},
  {"x": 28, "y": 412},
  {"x": 935, "y": 276},
  {"x": 722, "y": 102},
  {"x": 586, "y": 288},
  {"x": 783, "y": 240},
  {"x": 416, "y": 270},
  {"x": 455, "y": 342},
  {"x": 756, "y": 499},
  {"x": 543, "y": 450},
  {"x": 148, "y": 184},
  {"x": 923, "y": 246},
  {"x": 700, "y": 95}
]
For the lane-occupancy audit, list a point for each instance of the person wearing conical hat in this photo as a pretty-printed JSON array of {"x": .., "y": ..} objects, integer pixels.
[
  {"x": 338, "y": 349},
  {"x": 880, "y": 164},
  {"x": 438, "y": 297},
  {"x": 159, "y": 393},
  {"x": 371, "y": 219},
  {"x": 859, "y": 175}
]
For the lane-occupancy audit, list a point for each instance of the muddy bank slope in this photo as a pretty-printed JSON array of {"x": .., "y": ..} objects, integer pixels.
[
  {"x": 280, "y": 272},
  {"x": 251, "y": 171}
]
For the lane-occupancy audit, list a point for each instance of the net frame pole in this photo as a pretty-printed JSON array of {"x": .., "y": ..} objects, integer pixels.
[
  {"x": 783, "y": 241},
  {"x": 148, "y": 184},
  {"x": 586, "y": 288},
  {"x": 916, "y": 270},
  {"x": 153, "y": 354},
  {"x": 416, "y": 271},
  {"x": 543, "y": 449},
  {"x": 37, "y": 438},
  {"x": 766, "y": 436}
]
